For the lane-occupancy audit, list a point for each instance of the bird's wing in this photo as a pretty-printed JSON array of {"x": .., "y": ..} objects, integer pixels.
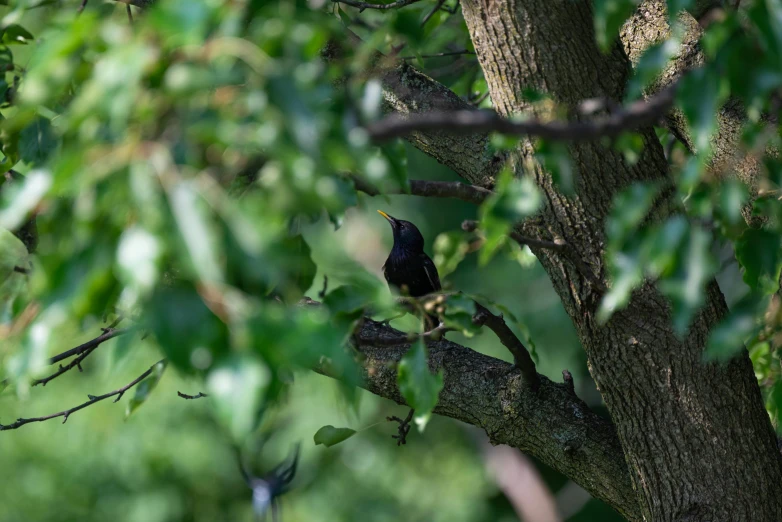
[{"x": 431, "y": 272}]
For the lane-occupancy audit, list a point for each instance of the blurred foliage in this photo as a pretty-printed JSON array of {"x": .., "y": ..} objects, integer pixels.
[{"x": 190, "y": 174}]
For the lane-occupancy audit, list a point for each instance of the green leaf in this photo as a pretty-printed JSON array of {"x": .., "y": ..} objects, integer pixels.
[
  {"x": 16, "y": 34},
  {"x": 629, "y": 210},
  {"x": 686, "y": 287},
  {"x": 449, "y": 250},
  {"x": 676, "y": 6},
  {"x": 459, "y": 310},
  {"x": 138, "y": 254},
  {"x": 196, "y": 229},
  {"x": 555, "y": 158},
  {"x": 144, "y": 388},
  {"x": 760, "y": 254},
  {"x": 727, "y": 338},
  {"x": 38, "y": 142},
  {"x": 237, "y": 386},
  {"x": 521, "y": 254},
  {"x": 19, "y": 200},
  {"x": 610, "y": 15},
  {"x": 296, "y": 259},
  {"x": 699, "y": 97},
  {"x": 418, "y": 385},
  {"x": 514, "y": 200},
  {"x": 186, "y": 329},
  {"x": 330, "y": 436}
]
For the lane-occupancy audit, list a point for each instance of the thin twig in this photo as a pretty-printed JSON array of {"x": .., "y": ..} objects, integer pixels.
[
  {"x": 89, "y": 345},
  {"x": 325, "y": 288},
  {"x": 567, "y": 378},
  {"x": 637, "y": 114},
  {"x": 477, "y": 101},
  {"x": 190, "y": 397},
  {"x": 435, "y": 189},
  {"x": 130, "y": 14},
  {"x": 92, "y": 400},
  {"x": 364, "y": 5},
  {"x": 403, "y": 429},
  {"x": 432, "y": 12},
  {"x": 21, "y": 270},
  {"x": 440, "y": 55},
  {"x": 521, "y": 357}
]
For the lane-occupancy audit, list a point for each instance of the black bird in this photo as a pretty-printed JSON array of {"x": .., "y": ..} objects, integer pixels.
[{"x": 408, "y": 268}]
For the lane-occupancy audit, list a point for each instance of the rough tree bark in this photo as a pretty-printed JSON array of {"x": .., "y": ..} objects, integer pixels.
[{"x": 695, "y": 436}]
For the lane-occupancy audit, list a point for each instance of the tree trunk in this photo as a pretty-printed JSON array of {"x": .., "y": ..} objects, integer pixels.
[{"x": 696, "y": 436}]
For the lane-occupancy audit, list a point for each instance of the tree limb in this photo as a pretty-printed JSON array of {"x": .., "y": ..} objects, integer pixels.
[
  {"x": 637, "y": 114},
  {"x": 550, "y": 424},
  {"x": 435, "y": 189}
]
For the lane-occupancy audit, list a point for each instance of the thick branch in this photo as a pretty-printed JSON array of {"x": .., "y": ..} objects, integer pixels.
[
  {"x": 432, "y": 189},
  {"x": 551, "y": 423},
  {"x": 635, "y": 115},
  {"x": 92, "y": 400}
]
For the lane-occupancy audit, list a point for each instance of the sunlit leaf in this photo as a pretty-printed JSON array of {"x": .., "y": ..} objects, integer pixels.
[
  {"x": 727, "y": 339},
  {"x": 144, "y": 388},
  {"x": 450, "y": 249},
  {"x": 237, "y": 386}
]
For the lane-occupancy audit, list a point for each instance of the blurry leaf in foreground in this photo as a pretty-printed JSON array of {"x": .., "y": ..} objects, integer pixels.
[
  {"x": 686, "y": 287},
  {"x": 38, "y": 141},
  {"x": 515, "y": 199},
  {"x": 727, "y": 338},
  {"x": 449, "y": 250},
  {"x": 237, "y": 386},
  {"x": 186, "y": 329},
  {"x": 20, "y": 200},
  {"x": 330, "y": 436},
  {"x": 144, "y": 388},
  {"x": 418, "y": 385},
  {"x": 760, "y": 254}
]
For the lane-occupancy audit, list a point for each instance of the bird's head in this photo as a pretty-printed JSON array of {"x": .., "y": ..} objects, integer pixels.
[{"x": 406, "y": 235}]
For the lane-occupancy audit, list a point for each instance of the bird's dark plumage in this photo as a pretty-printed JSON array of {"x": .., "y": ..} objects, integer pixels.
[{"x": 408, "y": 268}]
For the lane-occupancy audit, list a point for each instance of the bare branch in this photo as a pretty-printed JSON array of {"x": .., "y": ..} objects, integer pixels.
[
  {"x": 440, "y": 55},
  {"x": 635, "y": 115},
  {"x": 521, "y": 356},
  {"x": 404, "y": 427},
  {"x": 191, "y": 397},
  {"x": 364, "y": 5},
  {"x": 108, "y": 333},
  {"x": 432, "y": 189},
  {"x": 92, "y": 400},
  {"x": 431, "y": 13}
]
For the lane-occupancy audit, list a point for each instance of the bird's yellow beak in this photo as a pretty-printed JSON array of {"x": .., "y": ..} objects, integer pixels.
[{"x": 389, "y": 218}]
